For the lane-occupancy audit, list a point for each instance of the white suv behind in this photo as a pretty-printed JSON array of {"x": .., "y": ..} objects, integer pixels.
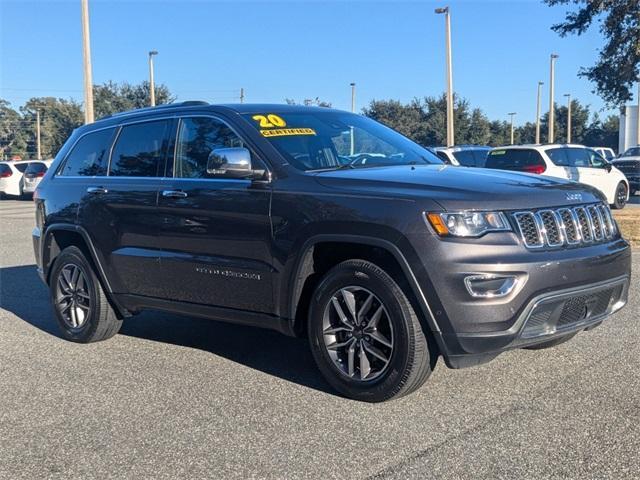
[{"x": 572, "y": 162}]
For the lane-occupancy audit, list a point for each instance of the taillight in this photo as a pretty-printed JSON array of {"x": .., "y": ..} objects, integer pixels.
[
  {"x": 40, "y": 174},
  {"x": 6, "y": 174},
  {"x": 538, "y": 169}
]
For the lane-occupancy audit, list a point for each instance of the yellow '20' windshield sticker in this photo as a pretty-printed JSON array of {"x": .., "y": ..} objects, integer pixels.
[
  {"x": 283, "y": 132},
  {"x": 270, "y": 120}
]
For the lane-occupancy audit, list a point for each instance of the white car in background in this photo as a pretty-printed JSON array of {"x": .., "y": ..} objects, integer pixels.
[
  {"x": 34, "y": 173},
  {"x": 607, "y": 153},
  {"x": 11, "y": 181},
  {"x": 572, "y": 162}
]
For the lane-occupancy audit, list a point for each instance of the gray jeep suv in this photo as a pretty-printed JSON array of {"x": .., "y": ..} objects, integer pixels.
[{"x": 322, "y": 224}]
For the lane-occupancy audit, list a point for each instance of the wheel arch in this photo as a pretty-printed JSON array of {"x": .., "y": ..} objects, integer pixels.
[
  {"x": 57, "y": 237},
  {"x": 378, "y": 250}
]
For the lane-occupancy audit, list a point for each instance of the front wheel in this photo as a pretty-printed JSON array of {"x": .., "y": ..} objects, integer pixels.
[
  {"x": 620, "y": 199},
  {"x": 365, "y": 335}
]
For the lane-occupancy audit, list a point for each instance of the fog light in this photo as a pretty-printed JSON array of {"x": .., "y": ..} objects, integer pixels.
[{"x": 490, "y": 285}]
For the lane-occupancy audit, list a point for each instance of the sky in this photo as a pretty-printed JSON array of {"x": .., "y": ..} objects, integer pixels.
[{"x": 208, "y": 50}]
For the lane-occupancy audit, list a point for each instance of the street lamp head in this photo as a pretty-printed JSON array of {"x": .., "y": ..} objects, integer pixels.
[
  {"x": 353, "y": 84},
  {"x": 554, "y": 55},
  {"x": 567, "y": 95},
  {"x": 442, "y": 10},
  {"x": 153, "y": 52},
  {"x": 540, "y": 83}
]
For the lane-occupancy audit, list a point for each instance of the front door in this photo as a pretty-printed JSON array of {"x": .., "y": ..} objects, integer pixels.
[{"x": 215, "y": 233}]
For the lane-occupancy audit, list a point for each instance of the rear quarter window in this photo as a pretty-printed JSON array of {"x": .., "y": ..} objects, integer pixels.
[
  {"x": 514, "y": 159},
  {"x": 21, "y": 167}
]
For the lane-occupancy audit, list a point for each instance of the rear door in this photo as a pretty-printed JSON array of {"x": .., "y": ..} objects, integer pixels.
[
  {"x": 119, "y": 210},
  {"x": 215, "y": 232}
]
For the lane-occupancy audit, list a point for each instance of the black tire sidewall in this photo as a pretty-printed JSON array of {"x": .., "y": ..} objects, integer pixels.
[
  {"x": 371, "y": 279},
  {"x": 74, "y": 256},
  {"x": 617, "y": 204}
]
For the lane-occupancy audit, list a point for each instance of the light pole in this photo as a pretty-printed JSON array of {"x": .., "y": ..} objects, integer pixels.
[
  {"x": 450, "y": 133},
  {"x": 38, "y": 135},
  {"x": 540, "y": 84},
  {"x": 568, "y": 95},
  {"x": 86, "y": 53},
  {"x": 512, "y": 114},
  {"x": 152, "y": 86},
  {"x": 551, "y": 94},
  {"x": 352, "y": 143},
  {"x": 638, "y": 119},
  {"x": 241, "y": 95}
]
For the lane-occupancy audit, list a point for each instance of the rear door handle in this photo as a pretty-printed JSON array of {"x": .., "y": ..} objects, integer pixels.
[
  {"x": 174, "y": 194},
  {"x": 97, "y": 190}
]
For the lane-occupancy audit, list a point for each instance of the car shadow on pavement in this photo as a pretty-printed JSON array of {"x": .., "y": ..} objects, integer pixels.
[{"x": 23, "y": 293}]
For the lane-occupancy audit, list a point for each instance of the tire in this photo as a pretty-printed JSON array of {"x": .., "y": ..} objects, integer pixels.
[
  {"x": 620, "y": 198},
  {"x": 81, "y": 307},
  {"x": 409, "y": 360},
  {"x": 552, "y": 343}
]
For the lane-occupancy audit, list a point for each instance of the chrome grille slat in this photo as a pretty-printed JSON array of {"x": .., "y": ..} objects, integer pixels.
[{"x": 557, "y": 227}]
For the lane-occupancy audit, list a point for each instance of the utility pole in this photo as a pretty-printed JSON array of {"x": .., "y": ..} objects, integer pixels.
[
  {"x": 551, "y": 94},
  {"x": 638, "y": 118},
  {"x": 568, "y": 118},
  {"x": 352, "y": 148},
  {"x": 38, "y": 134},
  {"x": 512, "y": 114},
  {"x": 152, "y": 85},
  {"x": 540, "y": 84},
  {"x": 450, "y": 132},
  {"x": 241, "y": 95},
  {"x": 86, "y": 51}
]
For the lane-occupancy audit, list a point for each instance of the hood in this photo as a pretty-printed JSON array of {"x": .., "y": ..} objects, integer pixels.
[{"x": 459, "y": 188}]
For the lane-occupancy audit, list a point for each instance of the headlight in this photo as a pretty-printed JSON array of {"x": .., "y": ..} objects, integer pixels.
[{"x": 468, "y": 224}]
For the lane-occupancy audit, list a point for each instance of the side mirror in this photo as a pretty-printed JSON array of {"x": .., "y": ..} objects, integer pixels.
[
  {"x": 232, "y": 162},
  {"x": 608, "y": 167}
]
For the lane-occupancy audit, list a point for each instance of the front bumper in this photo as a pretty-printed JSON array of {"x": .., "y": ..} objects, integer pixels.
[
  {"x": 545, "y": 318},
  {"x": 560, "y": 291}
]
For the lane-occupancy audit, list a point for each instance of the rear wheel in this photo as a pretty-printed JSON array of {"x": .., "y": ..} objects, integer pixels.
[
  {"x": 365, "y": 336},
  {"x": 82, "y": 310},
  {"x": 620, "y": 199}
]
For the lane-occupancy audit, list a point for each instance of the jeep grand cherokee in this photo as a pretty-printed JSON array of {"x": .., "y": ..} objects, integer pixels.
[{"x": 317, "y": 222}]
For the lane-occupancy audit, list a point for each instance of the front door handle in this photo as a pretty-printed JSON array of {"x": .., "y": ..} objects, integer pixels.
[
  {"x": 97, "y": 190},
  {"x": 174, "y": 194}
]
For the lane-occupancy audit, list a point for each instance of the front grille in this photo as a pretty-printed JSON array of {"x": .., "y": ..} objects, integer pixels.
[
  {"x": 580, "y": 307},
  {"x": 565, "y": 226},
  {"x": 628, "y": 167}
]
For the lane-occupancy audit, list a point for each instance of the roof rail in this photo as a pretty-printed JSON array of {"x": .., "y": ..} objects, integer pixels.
[{"x": 188, "y": 103}]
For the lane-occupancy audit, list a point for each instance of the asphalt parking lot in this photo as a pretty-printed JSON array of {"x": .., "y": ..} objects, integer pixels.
[{"x": 177, "y": 397}]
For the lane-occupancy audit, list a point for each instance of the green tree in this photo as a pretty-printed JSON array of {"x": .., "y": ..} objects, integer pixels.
[
  {"x": 13, "y": 139},
  {"x": 603, "y": 134},
  {"x": 58, "y": 119},
  {"x": 618, "y": 65},
  {"x": 111, "y": 97}
]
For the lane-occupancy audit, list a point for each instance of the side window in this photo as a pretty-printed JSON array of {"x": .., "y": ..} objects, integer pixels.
[
  {"x": 466, "y": 158},
  {"x": 197, "y": 138},
  {"x": 578, "y": 157},
  {"x": 559, "y": 157},
  {"x": 595, "y": 159},
  {"x": 139, "y": 150},
  {"x": 443, "y": 156},
  {"x": 89, "y": 156}
]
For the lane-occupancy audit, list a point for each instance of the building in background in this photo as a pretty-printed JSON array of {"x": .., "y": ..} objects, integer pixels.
[{"x": 628, "y": 128}]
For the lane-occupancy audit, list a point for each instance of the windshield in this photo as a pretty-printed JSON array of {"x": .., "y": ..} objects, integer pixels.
[
  {"x": 632, "y": 152},
  {"x": 331, "y": 140}
]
